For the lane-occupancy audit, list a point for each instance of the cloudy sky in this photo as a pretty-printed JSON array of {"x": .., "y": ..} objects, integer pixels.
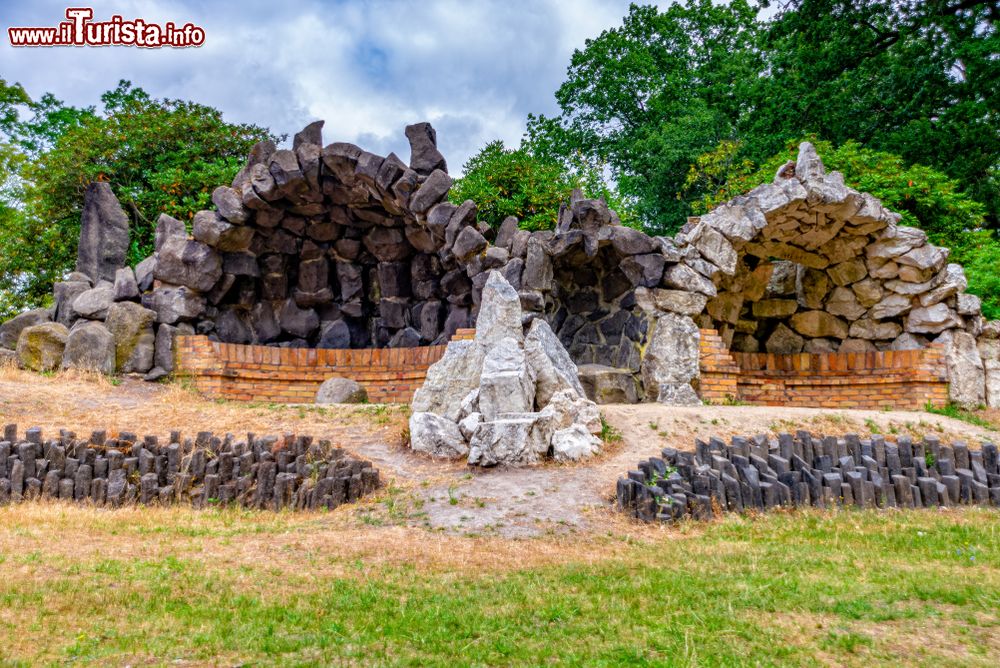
[{"x": 475, "y": 69}]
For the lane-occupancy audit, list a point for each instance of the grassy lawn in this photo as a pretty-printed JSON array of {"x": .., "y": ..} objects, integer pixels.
[{"x": 173, "y": 586}]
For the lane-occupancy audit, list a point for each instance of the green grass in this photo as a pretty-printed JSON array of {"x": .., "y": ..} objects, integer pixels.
[
  {"x": 965, "y": 415},
  {"x": 853, "y": 588}
]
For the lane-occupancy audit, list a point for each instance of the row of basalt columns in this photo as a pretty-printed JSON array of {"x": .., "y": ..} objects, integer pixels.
[
  {"x": 270, "y": 472},
  {"x": 759, "y": 474}
]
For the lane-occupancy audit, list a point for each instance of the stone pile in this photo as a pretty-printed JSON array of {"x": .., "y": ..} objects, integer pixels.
[
  {"x": 335, "y": 247},
  {"x": 804, "y": 470},
  {"x": 259, "y": 472},
  {"x": 506, "y": 397}
]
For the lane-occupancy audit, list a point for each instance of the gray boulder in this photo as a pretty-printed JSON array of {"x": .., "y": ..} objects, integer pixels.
[
  {"x": 431, "y": 192},
  {"x": 230, "y": 205},
  {"x": 500, "y": 312},
  {"x": 132, "y": 328},
  {"x": 64, "y": 294},
  {"x": 436, "y": 436},
  {"x": 94, "y": 303},
  {"x": 10, "y": 331},
  {"x": 211, "y": 229},
  {"x": 104, "y": 236},
  {"x": 671, "y": 360},
  {"x": 931, "y": 319},
  {"x": 126, "y": 287},
  {"x": 168, "y": 227},
  {"x": 553, "y": 368},
  {"x": 339, "y": 390},
  {"x": 172, "y": 303},
  {"x": 449, "y": 380},
  {"x": 90, "y": 346},
  {"x": 507, "y": 383},
  {"x": 574, "y": 443},
  {"x": 41, "y": 347},
  {"x": 189, "y": 263},
  {"x": 512, "y": 441},
  {"x": 966, "y": 373}
]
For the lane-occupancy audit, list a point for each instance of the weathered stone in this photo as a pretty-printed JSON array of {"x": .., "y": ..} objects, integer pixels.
[
  {"x": 868, "y": 292},
  {"x": 340, "y": 390},
  {"x": 907, "y": 341},
  {"x": 608, "y": 385},
  {"x": 848, "y": 272},
  {"x": 90, "y": 346},
  {"x": 507, "y": 382},
  {"x": 671, "y": 359},
  {"x": 683, "y": 277},
  {"x": 506, "y": 441},
  {"x": 499, "y": 313},
  {"x": 212, "y": 229},
  {"x": 677, "y": 301},
  {"x": 966, "y": 372},
  {"x": 629, "y": 241},
  {"x": 890, "y": 306},
  {"x": 931, "y": 320},
  {"x": 10, "y": 331},
  {"x": 856, "y": 346},
  {"x": 424, "y": 154},
  {"x": 552, "y": 366},
  {"x": 819, "y": 324},
  {"x": 874, "y": 330},
  {"x": 644, "y": 270},
  {"x": 450, "y": 379},
  {"x": 968, "y": 304},
  {"x": 843, "y": 302},
  {"x": 537, "y": 265},
  {"x": 775, "y": 308},
  {"x": 104, "y": 234},
  {"x": 896, "y": 241},
  {"x": 811, "y": 287},
  {"x": 188, "y": 263},
  {"x": 783, "y": 278},
  {"x": 952, "y": 282},
  {"x": 94, "y": 303},
  {"x": 145, "y": 272},
  {"x": 126, "y": 287},
  {"x": 714, "y": 247},
  {"x": 297, "y": 321},
  {"x": 168, "y": 227},
  {"x": 230, "y": 205},
  {"x": 173, "y": 303},
  {"x": 925, "y": 257},
  {"x": 132, "y": 328},
  {"x": 64, "y": 294},
  {"x": 820, "y": 346},
  {"x": 431, "y": 192},
  {"x": 573, "y": 444},
  {"x": 469, "y": 242},
  {"x": 436, "y": 436},
  {"x": 40, "y": 347},
  {"x": 783, "y": 341}
]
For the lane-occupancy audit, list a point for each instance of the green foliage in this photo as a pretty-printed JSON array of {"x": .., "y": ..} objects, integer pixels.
[
  {"x": 964, "y": 414},
  {"x": 160, "y": 156},
  {"x": 652, "y": 95},
  {"x": 524, "y": 183},
  {"x": 924, "y": 197}
]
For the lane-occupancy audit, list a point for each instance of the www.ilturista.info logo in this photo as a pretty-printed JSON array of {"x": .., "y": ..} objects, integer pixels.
[{"x": 80, "y": 30}]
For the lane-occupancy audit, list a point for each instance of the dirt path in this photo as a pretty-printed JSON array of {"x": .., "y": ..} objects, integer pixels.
[{"x": 442, "y": 495}]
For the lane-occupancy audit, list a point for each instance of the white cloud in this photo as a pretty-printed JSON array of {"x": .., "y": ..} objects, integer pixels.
[{"x": 474, "y": 69}]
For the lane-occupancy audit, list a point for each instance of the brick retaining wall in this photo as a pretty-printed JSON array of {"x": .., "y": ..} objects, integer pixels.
[
  {"x": 907, "y": 379},
  {"x": 292, "y": 375}
]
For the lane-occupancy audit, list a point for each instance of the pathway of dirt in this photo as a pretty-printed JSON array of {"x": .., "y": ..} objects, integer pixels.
[{"x": 443, "y": 495}]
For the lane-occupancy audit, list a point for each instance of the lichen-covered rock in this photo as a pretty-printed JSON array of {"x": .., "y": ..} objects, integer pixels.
[
  {"x": 41, "y": 347},
  {"x": 340, "y": 390},
  {"x": 132, "y": 328},
  {"x": 90, "y": 346},
  {"x": 10, "y": 331}
]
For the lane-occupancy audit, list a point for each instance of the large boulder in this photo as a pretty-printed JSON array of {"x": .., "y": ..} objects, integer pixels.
[
  {"x": 966, "y": 374},
  {"x": 94, "y": 303},
  {"x": 41, "y": 347},
  {"x": 553, "y": 367},
  {"x": 574, "y": 443},
  {"x": 671, "y": 360},
  {"x": 449, "y": 380},
  {"x": 989, "y": 352},
  {"x": 188, "y": 263},
  {"x": 172, "y": 303},
  {"x": 507, "y": 383},
  {"x": 90, "y": 346},
  {"x": 104, "y": 238},
  {"x": 499, "y": 313},
  {"x": 132, "y": 328},
  {"x": 424, "y": 154},
  {"x": 340, "y": 390},
  {"x": 436, "y": 436},
  {"x": 10, "y": 331}
]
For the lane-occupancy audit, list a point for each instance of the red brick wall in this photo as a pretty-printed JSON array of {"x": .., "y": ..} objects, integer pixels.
[
  {"x": 874, "y": 380},
  {"x": 292, "y": 375}
]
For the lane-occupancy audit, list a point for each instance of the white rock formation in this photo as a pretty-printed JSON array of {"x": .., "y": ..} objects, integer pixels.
[{"x": 504, "y": 398}]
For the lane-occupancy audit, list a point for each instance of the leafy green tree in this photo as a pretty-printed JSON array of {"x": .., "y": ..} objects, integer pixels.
[
  {"x": 923, "y": 196},
  {"x": 917, "y": 78},
  {"x": 518, "y": 182},
  {"x": 159, "y": 155},
  {"x": 652, "y": 95}
]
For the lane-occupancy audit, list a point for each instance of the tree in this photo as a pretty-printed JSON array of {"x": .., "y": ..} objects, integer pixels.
[
  {"x": 650, "y": 96},
  {"x": 520, "y": 182},
  {"x": 916, "y": 78},
  {"x": 923, "y": 196},
  {"x": 160, "y": 156}
]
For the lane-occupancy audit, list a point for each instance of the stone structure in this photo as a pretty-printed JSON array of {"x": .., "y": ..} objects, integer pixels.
[
  {"x": 259, "y": 472},
  {"x": 802, "y": 470},
  {"x": 333, "y": 247},
  {"x": 506, "y": 396}
]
